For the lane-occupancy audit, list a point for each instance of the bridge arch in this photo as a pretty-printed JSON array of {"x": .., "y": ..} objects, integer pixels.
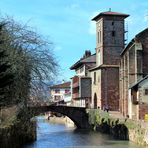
[{"x": 77, "y": 114}]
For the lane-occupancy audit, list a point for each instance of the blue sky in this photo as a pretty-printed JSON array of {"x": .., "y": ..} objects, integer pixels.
[{"x": 68, "y": 23}]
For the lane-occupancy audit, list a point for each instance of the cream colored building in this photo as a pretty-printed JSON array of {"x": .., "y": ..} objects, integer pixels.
[
  {"x": 138, "y": 106},
  {"x": 60, "y": 92}
]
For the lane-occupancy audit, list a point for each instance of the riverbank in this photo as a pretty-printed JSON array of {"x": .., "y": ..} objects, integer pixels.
[
  {"x": 118, "y": 126},
  {"x": 15, "y": 131}
]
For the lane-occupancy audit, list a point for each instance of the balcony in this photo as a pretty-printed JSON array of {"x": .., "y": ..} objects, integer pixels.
[
  {"x": 75, "y": 82},
  {"x": 75, "y": 95}
]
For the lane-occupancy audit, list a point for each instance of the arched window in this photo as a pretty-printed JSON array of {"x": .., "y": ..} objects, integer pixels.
[{"x": 95, "y": 101}]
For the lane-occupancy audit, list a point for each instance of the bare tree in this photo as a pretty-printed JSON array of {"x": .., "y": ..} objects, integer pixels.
[{"x": 31, "y": 57}]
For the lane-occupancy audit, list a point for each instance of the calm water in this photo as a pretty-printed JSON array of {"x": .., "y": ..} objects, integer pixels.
[{"x": 60, "y": 136}]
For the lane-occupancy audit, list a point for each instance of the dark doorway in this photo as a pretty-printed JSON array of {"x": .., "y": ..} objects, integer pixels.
[{"x": 95, "y": 101}]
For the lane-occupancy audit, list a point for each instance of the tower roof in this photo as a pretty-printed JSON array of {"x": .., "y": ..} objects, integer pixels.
[{"x": 109, "y": 13}]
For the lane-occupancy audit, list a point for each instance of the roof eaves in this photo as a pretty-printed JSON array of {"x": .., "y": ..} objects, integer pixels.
[
  {"x": 109, "y": 13},
  {"x": 134, "y": 85},
  {"x": 103, "y": 67},
  {"x": 128, "y": 46}
]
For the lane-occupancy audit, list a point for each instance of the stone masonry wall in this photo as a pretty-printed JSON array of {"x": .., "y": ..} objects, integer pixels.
[
  {"x": 119, "y": 128},
  {"x": 110, "y": 88}
]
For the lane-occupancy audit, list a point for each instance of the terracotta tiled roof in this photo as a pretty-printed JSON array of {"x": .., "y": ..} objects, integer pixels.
[
  {"x": 110, "y": 13},
  {"x": 90, "y": 59},
  {"x": 63, "y": 85}
]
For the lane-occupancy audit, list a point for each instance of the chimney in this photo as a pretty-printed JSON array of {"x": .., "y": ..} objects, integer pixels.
[{"x": 87, "y": 53}]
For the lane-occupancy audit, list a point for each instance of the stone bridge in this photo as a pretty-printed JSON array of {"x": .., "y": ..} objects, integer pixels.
[{"x": 77, "y": 114}]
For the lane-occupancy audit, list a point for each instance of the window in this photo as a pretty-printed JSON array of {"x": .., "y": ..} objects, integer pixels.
[
  {"x": 57, "y": 98},
  {"x": 81, "y": 69},
  {"x": 99, "y": 57},
  {"x": 99, "y": 37},
  {"x": 146, "y": 91},
  {"x": 57, "y": 91},
  {"x": 113, "y": 33},
  {"x": 94, "y": 77},
  {"x": 67, "y": 91},
  {"x": 112, "y": 23}
]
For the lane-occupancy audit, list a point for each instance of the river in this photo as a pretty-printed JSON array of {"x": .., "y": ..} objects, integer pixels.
[{"x": 59, "y": 136}]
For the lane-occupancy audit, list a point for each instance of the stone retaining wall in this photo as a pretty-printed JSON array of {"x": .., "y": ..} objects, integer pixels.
[{"x": 124, "y": 129}]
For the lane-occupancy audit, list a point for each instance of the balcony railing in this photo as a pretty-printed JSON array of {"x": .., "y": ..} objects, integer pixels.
[
  {"x": 76, "y": 84},
  {"x": 75, "y": 95},
  {"x": 75, "y": 81}
]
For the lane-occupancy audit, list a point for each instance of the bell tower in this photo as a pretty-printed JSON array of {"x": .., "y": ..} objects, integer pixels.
[
  {"x": 109, "y": 37},
  {"x": 109, "y": 44}
]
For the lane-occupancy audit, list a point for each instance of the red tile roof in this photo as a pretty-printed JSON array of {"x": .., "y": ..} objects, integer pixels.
[
  {"x": 110, "y": 13},
  {"x": 63, "y": 85},
  {"x": 86, "y": 60}
]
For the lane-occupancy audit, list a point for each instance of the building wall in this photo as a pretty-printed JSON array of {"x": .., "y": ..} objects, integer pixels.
[
  {"x": 124, "y": 70},
  {"x": 81, "y": 71},
  {"x": 132, "y": 69},
  {"x": 144, "y": 41},
  {"x": 59, "y": 95},
  {"x": 96, "y": 88},
  {"x": 81, "y": 91},
  {"x": 142, "y": 96},
  {"x": 99, "y": 42},
  {"x": 113, "y": 39},
  {"x": 109, "y": 44},
  {"x": 85, "y": 87},
  {"x": 110, "y": 88}
]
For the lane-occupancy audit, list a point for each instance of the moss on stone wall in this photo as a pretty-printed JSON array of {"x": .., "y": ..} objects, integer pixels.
[{"x": 124, "y": 129}]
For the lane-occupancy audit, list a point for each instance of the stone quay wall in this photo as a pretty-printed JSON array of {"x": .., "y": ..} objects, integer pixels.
[{"x": 119, "y": 127}]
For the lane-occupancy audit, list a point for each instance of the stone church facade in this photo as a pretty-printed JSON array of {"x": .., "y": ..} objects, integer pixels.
[{"x": 109, "y": 44}]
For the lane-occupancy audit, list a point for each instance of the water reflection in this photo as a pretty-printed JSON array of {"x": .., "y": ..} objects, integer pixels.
[{"x": 60, "y": 136}]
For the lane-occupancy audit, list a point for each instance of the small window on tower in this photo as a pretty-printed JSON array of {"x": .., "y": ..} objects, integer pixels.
[
  {"x": 112, "y": 23},
  {"x": 98, "y": 37},
  {"x": 146, "y": 91},
  {"x": 113, "y": 33},
  {"x": 94, "y": 77}
]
